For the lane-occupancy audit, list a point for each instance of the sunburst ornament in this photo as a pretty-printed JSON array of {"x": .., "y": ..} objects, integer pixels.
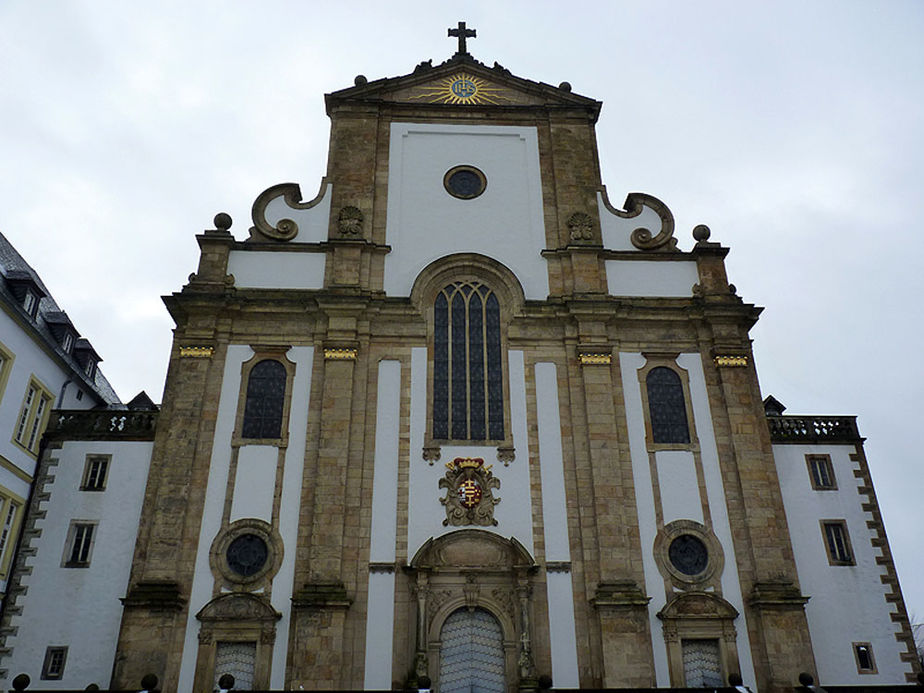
[{"x": 462, "y": 88}]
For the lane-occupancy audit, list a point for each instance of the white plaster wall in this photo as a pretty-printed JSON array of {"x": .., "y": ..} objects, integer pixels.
[
  {"x": 79, "y": 607},
  {"x": 559, "y": 589},
  {"x": 381, "y": 606},
  {"x": 255, "y": 483},
  {"x": 426, "y": 514},
  {"x": 663, "y": 279},
  {"x": 617, "y": 231},
  {"x": 312, "y": 222},
  {"x": 679, "y": 501},
  {"x": 847, "y": 603},
  {"x": 426, "y": 223},
  {"x": 679, "y": 487},
  {"x": 260, "y": 269},
  {"x": 219, "y": 468}
]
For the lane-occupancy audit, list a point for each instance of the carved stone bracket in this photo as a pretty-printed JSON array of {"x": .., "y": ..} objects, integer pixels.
[
  {"x": 506, "y": 455},
  {"x": 781, "y": 594},
  {"x": 619, "y": 594},
  {"x": 431, "y": 453}
]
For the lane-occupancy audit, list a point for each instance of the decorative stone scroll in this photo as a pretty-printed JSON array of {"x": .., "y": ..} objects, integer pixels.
[{"x": 469, "y": 499}]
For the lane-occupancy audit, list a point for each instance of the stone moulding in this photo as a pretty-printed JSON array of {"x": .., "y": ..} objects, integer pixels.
[
  {"x": 285, "y": 229},
  {"x": 155, "y": 595},
  {"x": 642, "y": 238},
  {"x": 314, "y": 594}
]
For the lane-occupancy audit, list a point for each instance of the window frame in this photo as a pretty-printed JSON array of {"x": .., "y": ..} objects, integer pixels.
[
  {"x": 100, "y": 484},
  {"x": 50, "y": 652},
  {"x": 30, "y": 306},
  {"x": 33, "y": 417},
  {"x": 70, "y": 545},
  {"x": 9, "y": 530},
  {"x": 840, "y": 526},
  {"x": 503, "y": 366},
  {"x": 811, "y": 459},
  {"x": 264, "y": 353},
  {"x": 6, "y": 367},
  {"x": 872, "y": 669},
  {"x": 668, "y": 361}
]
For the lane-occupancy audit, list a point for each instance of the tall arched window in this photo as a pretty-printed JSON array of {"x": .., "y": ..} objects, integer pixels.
[
  {"x": 468, "y": 390},
  {"x": 266, "y": 394},
  {"x": 666, "y": 407}
]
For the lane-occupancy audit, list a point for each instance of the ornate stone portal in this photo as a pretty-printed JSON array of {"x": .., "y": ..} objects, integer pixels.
[{"x": 475, "y": 569}]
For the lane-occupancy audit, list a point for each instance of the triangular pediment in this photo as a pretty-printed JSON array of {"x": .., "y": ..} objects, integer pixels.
[{"x": 461, "y": 82}]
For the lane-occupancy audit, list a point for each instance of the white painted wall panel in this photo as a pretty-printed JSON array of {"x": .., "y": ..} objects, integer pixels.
[
  {"x": 663, "y": 279},
  {"x": 258, "y": 269},
  {"x": 380, "y": 625},
  {"x": 86, "y": 612},
  {"x": 426, "y": 223},
  {"x": 561, "y": 630},
  {"x": 385, "y": 478},
  {"x": 255, "y": 483},
  {"x": 426, "y": 513},
  {"x": 847, "y": 603},
  {"x": 679, "y": 487},
  {"x": 551, "y": 465}
]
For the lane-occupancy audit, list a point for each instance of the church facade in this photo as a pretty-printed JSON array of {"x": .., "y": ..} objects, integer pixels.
[{"x": 461, "y": 418}]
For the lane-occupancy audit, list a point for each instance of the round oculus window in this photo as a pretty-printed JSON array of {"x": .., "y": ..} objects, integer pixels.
[
  {"x": 688, "y": 554},
  {"x": 247, "y": 554},
  {"x": 464, "y": 182}
]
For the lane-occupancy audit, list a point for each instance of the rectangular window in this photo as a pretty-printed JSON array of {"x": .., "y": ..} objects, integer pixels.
[
  {"x": 837, "y": 542},
  {"x": 6, "y": 365},
  {"x": 95, "y": 473},
  {"x": 55, "y": 658},
  {"x": 863, "y": 653},
  {"x": 30, "y": 302},
  {"x": 10, "y": 516},
  {"x": 79, "y": 545},
  {"x": 821, "y": 472},
  {"x": 67, "y": 342},
  {"x": 33, "y": 416}
]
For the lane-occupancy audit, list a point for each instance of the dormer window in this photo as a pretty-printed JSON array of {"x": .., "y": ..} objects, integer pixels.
[
  {"x": 30, "y": 303},
  {"x": 90, "y": 368},
  {"x": 67, "y": 342}
]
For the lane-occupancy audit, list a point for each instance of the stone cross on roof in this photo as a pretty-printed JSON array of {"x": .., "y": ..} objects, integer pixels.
[{"x": 462, "y": 33}]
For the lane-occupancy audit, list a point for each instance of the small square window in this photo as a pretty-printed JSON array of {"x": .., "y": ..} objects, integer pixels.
[
  {"x": 837, "y": 542},
  {"x": 95, "y": 473},
  {"x": 863, "y": 653},
  {"x": 821, "y": 472},
  {"x": 79, "y": 545},
  {"x": 53, "y": 667}
]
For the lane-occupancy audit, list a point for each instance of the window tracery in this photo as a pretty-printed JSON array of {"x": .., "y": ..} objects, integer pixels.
[{"x": 666, "y": 407}]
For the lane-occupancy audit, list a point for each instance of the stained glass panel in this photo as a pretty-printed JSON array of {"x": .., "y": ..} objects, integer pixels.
[
  {"x": 666, "y": 406},
  {"x": 476, "y": 367},
  {"x": 459, "y": 370},
  {"x": 441, "y": 367},
  {"x": 266, "y": 392}
]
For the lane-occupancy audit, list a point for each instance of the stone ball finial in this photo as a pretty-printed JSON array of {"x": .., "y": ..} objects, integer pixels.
[
  {"x": 806, "y": 679},
  {"x": 21, "y": 682},
  {"x": 565, "y": 86},
  {"x": 701, "y": 232},
  {"x": 148, "y": 682},
  {"x": 424, "y": 683},
  {"x": 226, "y": 682},
  {"x": 734, "y": 679},
  {"x": 360, "y": 80},
  {"x": 222, "y": 221}
]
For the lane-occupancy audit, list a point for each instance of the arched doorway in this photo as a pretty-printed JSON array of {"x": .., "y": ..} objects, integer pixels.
[{"x": 472, "y": 653}]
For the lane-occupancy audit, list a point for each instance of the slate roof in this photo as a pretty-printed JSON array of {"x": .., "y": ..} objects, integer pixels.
[{"x": 13, "y": 266}]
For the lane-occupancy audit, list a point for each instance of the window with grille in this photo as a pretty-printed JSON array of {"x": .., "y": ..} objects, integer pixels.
[
  {"x": 95, "y": 473},
  {"x": 667, "y": 408},
  {"x": 821, "y": 472},
  {"x": 238, "y": 659},
  {"x": 80, "y": 545},
  {"x": 837, "y": 542},
  {"x": 468, "y": 388},
  {"x": 53, "y": 666},
  {"x": 265, "y": 400}
]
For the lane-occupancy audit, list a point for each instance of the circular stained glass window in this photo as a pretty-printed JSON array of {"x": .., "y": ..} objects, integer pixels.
[
  {"x": 464, "y": 182},
  {"x": 688, "y": 554},
  {"x": 247, "y": 555}
]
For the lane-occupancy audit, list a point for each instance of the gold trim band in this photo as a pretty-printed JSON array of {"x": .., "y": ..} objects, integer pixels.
[
  {"x": 731, "y": 361},
  {"x": 340, "y": 354},
  {"x": 590, "y": 359},
  {"x": 197, "y": 352}
]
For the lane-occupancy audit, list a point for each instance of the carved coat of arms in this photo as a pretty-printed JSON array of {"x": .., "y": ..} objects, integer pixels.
[{"x": 469, "y": 498}]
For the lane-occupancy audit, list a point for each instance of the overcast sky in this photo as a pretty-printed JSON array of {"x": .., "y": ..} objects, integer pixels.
[{"x": 795, "y": 130}]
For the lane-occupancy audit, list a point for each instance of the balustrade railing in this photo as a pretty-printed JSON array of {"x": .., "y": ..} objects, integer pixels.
[
  {"x": 90, "y": 424},
  {"x": 794, "y": 429}
]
